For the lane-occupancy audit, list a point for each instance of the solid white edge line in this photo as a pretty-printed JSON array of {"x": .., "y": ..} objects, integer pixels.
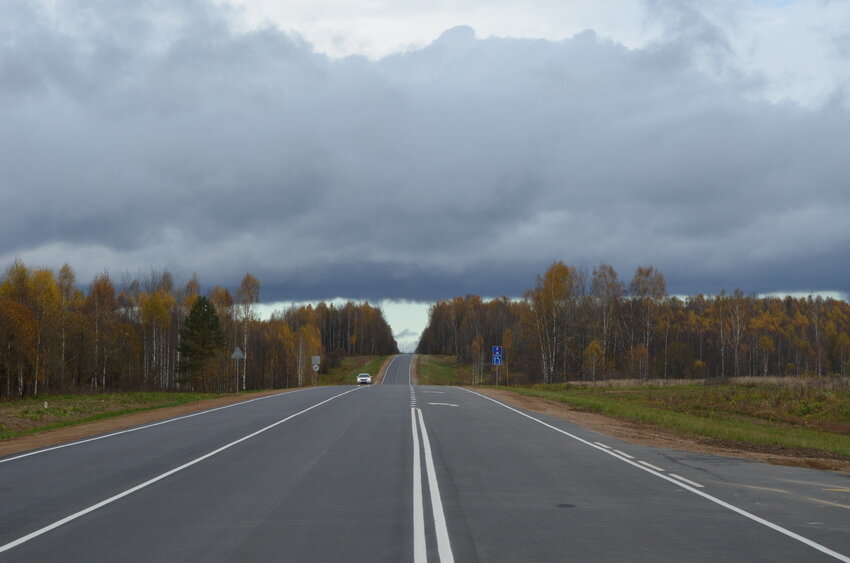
[
  {"x": 420, "y": 550},
  {"x": 655, "y": 467},
  {"x": 444, "y": 546},
  {"x": 389, "y": 365},
  {"x": 724, "y": 504},
  {"x": 624, "y": 454},
  {"x": 688, "y": 481},
  {"x": 145, "y": 427},
  {"x": 160, "y": 477}
]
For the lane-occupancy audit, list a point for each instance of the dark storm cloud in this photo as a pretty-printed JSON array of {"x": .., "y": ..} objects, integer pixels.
[{"x": 154, "y": 134}]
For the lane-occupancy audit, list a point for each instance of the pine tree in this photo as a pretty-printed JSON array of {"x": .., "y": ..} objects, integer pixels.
[{"x": 201, "y": 338}]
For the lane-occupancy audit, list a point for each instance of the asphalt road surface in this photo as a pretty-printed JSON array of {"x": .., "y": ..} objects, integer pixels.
[{"x": 394, "y": 472}]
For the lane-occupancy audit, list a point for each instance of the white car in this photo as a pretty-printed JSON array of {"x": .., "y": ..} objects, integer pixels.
[{"x": 364, "y": 378}]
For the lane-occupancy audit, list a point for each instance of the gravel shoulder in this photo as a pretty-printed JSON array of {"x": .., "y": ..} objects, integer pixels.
[{"x": 648, "y": 435}]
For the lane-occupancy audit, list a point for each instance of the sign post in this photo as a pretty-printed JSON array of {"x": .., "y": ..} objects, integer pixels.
[
  {"x": 497, "y": 360},
  {"x": 237, "y": 355},
  {"x": 316, "y": 361}
]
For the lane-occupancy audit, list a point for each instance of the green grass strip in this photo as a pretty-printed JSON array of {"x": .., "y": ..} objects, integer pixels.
[
  {"x": 372, "y": 367},
  {"x": 725, "y": 429},
  {"x": 346, "y": 373},
  {"x": 437, "y": 370},
  {"x": 176, "y": 400}
]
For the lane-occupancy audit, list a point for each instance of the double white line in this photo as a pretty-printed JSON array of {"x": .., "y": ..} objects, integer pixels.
[{"x": 420, "y": 549}]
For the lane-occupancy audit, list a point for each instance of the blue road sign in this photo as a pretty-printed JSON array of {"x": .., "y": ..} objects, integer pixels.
[
  {"x": 497, "y": 360},
  {"x": 497, "y": 350}
]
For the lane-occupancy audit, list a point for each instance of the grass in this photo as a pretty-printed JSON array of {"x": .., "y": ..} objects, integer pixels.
[
  {"x": 803, "y": 416},
  {"x": 441, "y": 370},
  {"x": 346, "y": 372},
  {"x": 21, "y": 417}
]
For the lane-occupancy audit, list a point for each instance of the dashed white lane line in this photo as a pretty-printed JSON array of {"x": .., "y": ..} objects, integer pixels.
[
  {"x": 688, "y": 481},
  {"x": 695, "y": 490},
  {"x": 160, "y": 477},
  {"x": 603, "y": 445},
  {"x": 655, "y": 467},
  {"x": 624, "y": 454},
  {"x": 444, "y": 404}
]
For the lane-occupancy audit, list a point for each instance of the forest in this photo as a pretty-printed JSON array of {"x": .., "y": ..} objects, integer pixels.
[
  {"x": 575, "y": 325},
  {"x": 149, "y": 333}
]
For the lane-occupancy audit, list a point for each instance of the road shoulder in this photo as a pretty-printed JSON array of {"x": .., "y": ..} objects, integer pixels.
[
  {"x": 647, "y": 435},
  {"x": 89, "y": 429}
]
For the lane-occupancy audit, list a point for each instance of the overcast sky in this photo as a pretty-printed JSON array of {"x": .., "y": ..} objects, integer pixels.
[{"x": 421, "y": 150}]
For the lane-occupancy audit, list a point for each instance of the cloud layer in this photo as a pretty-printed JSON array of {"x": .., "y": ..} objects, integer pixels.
[{"x": 158, "y": 134}]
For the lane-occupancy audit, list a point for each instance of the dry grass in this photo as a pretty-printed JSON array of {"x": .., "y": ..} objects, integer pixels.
[
  {"x": 346, "y": 372},
  {"x": 801, "y": 382},
  {"x": 441, "y": 370},
  {"x": 26, "y": 416},
  {"x": 798, "y": 413}
]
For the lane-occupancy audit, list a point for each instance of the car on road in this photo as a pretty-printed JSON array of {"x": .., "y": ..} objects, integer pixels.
[{"x": 364, "y": 378}]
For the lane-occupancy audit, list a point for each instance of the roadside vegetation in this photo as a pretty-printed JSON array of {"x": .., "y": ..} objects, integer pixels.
[
  {"x": 346, "y": 372},
  {"x": 151, "y": 333},
  {"x": 763, "y": 372},
  {"x": 21, "y": 417},
  {"x": 803, "y": 414},
  {"x": 575, "y": 324},
  {"x": 28, "y": 416},
  {"x": 442, "y": 370}
]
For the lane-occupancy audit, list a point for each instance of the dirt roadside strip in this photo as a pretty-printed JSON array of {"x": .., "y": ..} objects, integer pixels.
[
  {"x": 89, "y": 429},
  {"x": 648, "y": 435},
  {"x": 379, "y": 378}
]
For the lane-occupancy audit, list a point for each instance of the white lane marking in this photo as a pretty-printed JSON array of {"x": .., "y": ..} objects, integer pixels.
[
  {"x": 444, "y": 404},
  {"x": 145, "y": 427},
  {"x": 624, "y": 454},
  {"x": 435, "y": 392},
  {"x": 655, "y": 467},
  {"x": 160, "y": 477},
  {"x": 444, "y": 546},
  {"x": 420, "y": 553},
  {"x": 410, "y": 367},
  {"x": 688, "y": 481},
  {"x": 694, "y": 490},
  {"x": 387, "y": 371},
  {"x": 603, "y": 445}
]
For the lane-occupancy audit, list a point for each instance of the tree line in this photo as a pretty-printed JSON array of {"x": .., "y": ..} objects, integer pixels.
[
  {"x": 56, "y": 337},
  {"x": 575, "y": 325}
]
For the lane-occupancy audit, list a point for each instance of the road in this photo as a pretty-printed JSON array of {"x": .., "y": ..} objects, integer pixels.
[{"x": 395, "y": 472}]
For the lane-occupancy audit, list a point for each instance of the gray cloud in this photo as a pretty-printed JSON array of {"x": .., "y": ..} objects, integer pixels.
[{"x": 155, "y": 134}]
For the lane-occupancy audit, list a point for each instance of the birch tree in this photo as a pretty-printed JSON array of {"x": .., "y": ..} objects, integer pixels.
[
  {"x": 247, "y": 296},
  {"x": 552, "y": 303}
]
